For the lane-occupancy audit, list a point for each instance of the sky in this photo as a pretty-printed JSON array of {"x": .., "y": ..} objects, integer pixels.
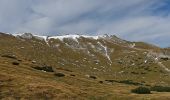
[{"x": 134, "y": 20}]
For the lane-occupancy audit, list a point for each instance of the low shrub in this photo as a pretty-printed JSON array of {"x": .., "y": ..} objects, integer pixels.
[
  {"x": 136, "y": 73},
  {"x": 112, "y": 81},
  {"x": 72, "y": 75},
  {"x": 141, "y": 90},
  {"x": 160, "y": 88},
  {"x": 15, "y": 63},
  {"x": 100, "y": 82},
  {"x": 130, "y": 82},
  {"x": 44, "y": 68},
  {"x": 93, "y": 77},
  {"x": 59, "y": 74}
]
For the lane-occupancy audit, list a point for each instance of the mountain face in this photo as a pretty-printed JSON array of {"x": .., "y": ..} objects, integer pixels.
[{"x": 79, "y": 67}]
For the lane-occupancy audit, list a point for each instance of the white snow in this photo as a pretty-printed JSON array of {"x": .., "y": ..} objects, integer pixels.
[
  {"x": 22, "y": 47},
  {"x": 94, "y": 68},
  {"x": 121, "y": 72},
  {"x": 45, "y": 38},
  {"x": 17, "y": 34},
  {"x": 92, "y": 37},
  {"x": 57, "y": 45},
  {"x": 43, "y": 71},
  {"x": 75, "y": 37},
  {"x": 65, "y": 36},
  {"x": 92, "y": 46},
  {"x": 133, "y": 64},
  {"x": 35, "y": 36},
  {"x": 60, "y": 37},
  {"x": 132, "y": 45},
  {"x": 106, "y": 52},
  {"x": 163, "y": 66},
  {"x": 156, "y": 59},
  {"x": 41, "y": 37}
]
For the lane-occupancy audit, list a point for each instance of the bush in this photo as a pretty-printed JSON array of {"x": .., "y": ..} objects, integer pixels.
[
  {"x": 136, "y": 73},
  {"x": 141, "y": 90},
  {"x": 160, "y": 89},
  {"x": 44, "y": 68},
  {"x": 100, "y": 82},
  {"x": 130, "y": 82},
  {"x": 112, "y": 81},
  {"x": 72, "y": 75},
  {"x": 15, "y": 63},
  {"x": 59, "y": 74},
  {"x": 93, "y": 77}
]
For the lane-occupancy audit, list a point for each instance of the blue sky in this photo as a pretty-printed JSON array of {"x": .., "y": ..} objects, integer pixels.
[{"x": 135, "y": 20}]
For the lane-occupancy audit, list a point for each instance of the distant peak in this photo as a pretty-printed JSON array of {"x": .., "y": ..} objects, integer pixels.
[{"x": 60, "y": 37}]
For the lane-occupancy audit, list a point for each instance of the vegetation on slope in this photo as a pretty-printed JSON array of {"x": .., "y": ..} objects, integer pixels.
[{"x": 33, "y": 69}]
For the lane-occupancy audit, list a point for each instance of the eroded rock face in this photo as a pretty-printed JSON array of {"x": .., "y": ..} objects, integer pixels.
[{"x": 27, "y": 36}]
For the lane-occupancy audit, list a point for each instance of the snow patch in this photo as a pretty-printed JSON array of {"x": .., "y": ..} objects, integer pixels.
[
  {"x": 163, "y": 66},
  {"x": 106, "y": 51},
  {"x": 41, "y": 37},
  {"x": 132, "y": 45},
  {"x": 75, "y": 37},
  {"x": 45, "y": 38},
  {"x": 61, "y": 38},
  {"x": 91, "y": 45}
]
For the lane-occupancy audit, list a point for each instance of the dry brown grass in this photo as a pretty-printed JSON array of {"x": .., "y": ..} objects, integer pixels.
[{"x": 24, "y": 82}]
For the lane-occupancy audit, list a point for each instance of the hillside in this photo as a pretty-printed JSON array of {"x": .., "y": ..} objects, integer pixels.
[{"x": 80, "y": 67}]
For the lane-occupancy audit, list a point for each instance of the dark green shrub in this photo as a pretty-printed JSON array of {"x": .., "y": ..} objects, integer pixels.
[
  {"x": 101, "y": 82},
  {"x": 141, "y": 90},
  {"x": 59, "y": 74},
  {"x": 160, "y": 89},
  {"x": 15, "y": 63},
  {"x": 93, "y": 77},
  {"x": 44, "y": 68},
  {"x": 130, "y": 82},
  {"x": 112, "y": 81},
  {"x": 135, "y": 73},
  {"x": 165, "y": 59},
  {"x": 72, "y": 75}
]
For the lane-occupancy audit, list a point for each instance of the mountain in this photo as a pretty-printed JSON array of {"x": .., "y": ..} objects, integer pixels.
[{"x": 80, "y": 67}]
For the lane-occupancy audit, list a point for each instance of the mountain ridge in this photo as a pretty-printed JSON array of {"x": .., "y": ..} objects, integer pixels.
[{"x": 73, "y": 36}]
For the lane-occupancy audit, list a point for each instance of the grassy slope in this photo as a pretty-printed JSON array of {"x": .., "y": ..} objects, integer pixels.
[{"x": 22, "y": 81}]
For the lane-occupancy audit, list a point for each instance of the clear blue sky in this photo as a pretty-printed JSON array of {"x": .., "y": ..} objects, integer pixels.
[{"x": 135, "y": 20}]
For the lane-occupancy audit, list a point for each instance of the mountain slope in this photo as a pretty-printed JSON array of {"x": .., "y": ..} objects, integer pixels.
[{"x": 92, "y": 66}]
